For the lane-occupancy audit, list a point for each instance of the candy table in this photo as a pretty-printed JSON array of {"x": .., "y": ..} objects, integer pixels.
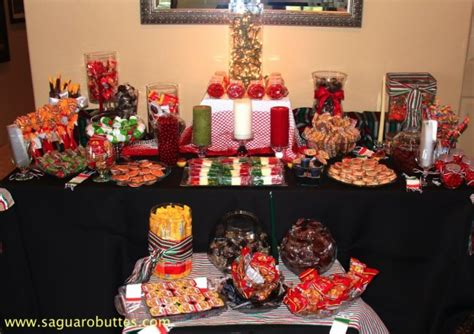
[{"x": 65, "y": 253}]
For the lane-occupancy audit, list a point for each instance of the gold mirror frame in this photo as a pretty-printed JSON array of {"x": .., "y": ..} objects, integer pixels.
[{"x": 353, "y": 18}]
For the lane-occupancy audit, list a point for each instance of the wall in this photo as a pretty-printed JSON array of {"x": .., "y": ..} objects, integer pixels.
[
  {"x": 397, "y": 35},
  {"x": 16, "y": 91},
  {"x": 467, "y": 99}
]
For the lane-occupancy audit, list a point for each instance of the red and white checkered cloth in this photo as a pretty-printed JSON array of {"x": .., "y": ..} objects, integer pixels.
[{"x": 223, "y": 127}]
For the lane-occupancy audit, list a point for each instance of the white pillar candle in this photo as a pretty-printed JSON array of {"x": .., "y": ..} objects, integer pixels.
[
  {"x": 429, "y": 130},
  {"x": 19, "y": 147},
  {"x": 243, "y": 119}
]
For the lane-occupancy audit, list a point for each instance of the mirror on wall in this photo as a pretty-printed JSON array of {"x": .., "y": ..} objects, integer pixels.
[{"x": 333, "y": 13}]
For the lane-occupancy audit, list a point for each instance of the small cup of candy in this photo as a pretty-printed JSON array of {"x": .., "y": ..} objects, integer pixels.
[{"x": 452, "y": 176}]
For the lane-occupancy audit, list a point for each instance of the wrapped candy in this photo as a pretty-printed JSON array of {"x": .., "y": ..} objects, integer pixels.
[
  {"x": 308, "y": 244},
  {"x": 452, "y": 176},
  {"x": 234, "y": 231},
  {"x": 275, "y": 87},
  {"x": 256, "y": 89},
  {"x": 102, "y": 76},
  {"x": 255, "y": 275},
  {"x": 217, "y": 86},
  {"x": 117, "y": 129},
  {"x": 236, "y": 89},
  {"x": 324, "y": 296},
  {"x": 126, "y": 100}
]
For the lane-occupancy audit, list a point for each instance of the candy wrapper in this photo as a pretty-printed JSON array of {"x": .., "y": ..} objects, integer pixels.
[
  {"x": 255, "y": 276},
  {"x": 324, "y": 296},
  {"x": 256, "y": 89},
  {"x": 275, "y": 87},
  {"x": 308, "y": 244}
]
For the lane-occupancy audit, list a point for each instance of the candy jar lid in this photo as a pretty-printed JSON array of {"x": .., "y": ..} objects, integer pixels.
[{"x": 235, "y": 230}]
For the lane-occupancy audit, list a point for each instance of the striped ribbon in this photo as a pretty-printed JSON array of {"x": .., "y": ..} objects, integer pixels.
[
  {"x": 160, "y": 249},
  {"x": 397, "y": 85}
]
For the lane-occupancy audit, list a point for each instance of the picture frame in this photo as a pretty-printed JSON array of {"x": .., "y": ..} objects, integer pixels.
[
  {"x": 4, "y": 46},
  {"x": 17, "y": 11}
]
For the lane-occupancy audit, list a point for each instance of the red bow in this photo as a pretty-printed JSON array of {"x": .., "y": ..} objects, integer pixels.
[{"x": 322, "y": 94}]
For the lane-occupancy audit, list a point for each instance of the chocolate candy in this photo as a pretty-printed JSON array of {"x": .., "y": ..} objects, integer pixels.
[
  {"x": 127, "y": 100},
  {"x": 236, "y": 230},
  {"x": 308, "y": 244}
]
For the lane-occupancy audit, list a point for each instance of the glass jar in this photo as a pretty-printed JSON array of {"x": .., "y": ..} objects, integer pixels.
[
  {"x": 235, "y": 231},
  {"x": 102, "y": 77},
  {"x": 452, "y": 176},
  {"x": 329, "y": 92},
  {"x": 167, "y": 135},
  {"x": 100, "y": 156},
  {"x": 246, "y": 34},
  {"x": 163, "y": 98},
  {"x": 468, "y": 169},
  {"x": 308, "y": 244},
  {"x": 405, "y": 144},
  {"x": 171, "y": 238}
]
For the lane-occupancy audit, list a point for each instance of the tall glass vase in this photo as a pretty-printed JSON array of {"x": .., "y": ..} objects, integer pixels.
[
  {"x": 405, "y": 144},
  {"x": 246, "y": 31}
]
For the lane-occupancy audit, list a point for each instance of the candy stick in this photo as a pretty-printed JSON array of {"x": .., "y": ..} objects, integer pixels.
[
  {"x": 382, "y": 112},
  {"x": 272, "y": 221}
]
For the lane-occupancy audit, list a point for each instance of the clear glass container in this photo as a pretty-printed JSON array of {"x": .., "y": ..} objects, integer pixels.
[
  {"x": 171, "y": 224},
  {"x": 235, "y": 231},
  {"x": 102, "y": 77},
  {"x": 452, "y": 176},
  {"x": 246, "y": 34},
  {"x": 406, "y": 144},
  {"x": 101, "y": 157},
  {"x": 163, "y": 98},
  {"x": 328, "y": 91},
  {"x": 167, "y": 129},
  {"x": 308, "y": 244}
]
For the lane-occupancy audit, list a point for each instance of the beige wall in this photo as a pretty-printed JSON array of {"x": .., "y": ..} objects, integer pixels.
[
  {"x": 397, "y": 35},
  {"x": 16, "y": 91},
  {"x": 467, "y": 100}
]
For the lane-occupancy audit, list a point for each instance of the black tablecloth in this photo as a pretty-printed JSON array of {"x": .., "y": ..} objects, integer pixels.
[{"x": 66, "y": 252}]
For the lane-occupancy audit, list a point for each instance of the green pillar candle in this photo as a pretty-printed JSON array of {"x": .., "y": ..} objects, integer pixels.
[{"x": 202, "y": 125}]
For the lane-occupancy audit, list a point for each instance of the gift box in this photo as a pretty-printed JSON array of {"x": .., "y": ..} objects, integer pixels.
[{"x": 407, "y": 91}]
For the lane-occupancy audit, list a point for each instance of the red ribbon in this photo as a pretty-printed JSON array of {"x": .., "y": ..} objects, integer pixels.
[{"x": 322, "y": 94}]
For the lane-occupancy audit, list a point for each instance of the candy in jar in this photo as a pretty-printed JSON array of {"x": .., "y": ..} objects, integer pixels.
[
  {"x": 236, "y": 89},
  {"x": 171, "y": 236},
  {"x": 451, "y": 176},
  {"x": 167, "y": 134},
  {"x": 256, "y": 89},
  {"x": 216, "y": 87},
  {"x": 275, "y": 88}
]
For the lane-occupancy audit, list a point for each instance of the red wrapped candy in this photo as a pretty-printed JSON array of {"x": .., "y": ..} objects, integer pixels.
[
  {"x": 236, "y": 89},
  {"x": 451, "y": 176},
  {"x": 255, "y": 275},
  {"x": 216, "y": 87},
  {"x": 275, "y": 88},
  {"x": 256, "y": 89}
]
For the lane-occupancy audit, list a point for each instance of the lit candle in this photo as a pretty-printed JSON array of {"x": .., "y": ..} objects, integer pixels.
[
  {"x": 19, "y": 147},
  {"x": 202, "y": 125},
  {"x": 279, "y": 126},
  {"x": 429, "y": 131},
  {"x": 243, "y": 119}
]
